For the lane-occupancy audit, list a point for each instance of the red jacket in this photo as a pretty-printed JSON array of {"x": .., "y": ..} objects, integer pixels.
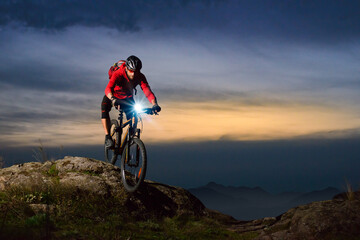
[{"x": 122, "y": 87}]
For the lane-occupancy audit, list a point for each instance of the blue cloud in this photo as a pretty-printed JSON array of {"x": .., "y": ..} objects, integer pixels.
[{"x": 324, "y": 21}]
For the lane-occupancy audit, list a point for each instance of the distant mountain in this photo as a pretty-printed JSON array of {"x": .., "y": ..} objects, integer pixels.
[
  {"x": 321, "y": 195},
  {"x": 212, "y": 197},
  {"x": 239, "y": 193},
  {"x": 246, "y": 203}
]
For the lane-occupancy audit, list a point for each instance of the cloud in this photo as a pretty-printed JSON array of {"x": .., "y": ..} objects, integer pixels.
[
  {"x": 58, "y": 15},
  {"x": 59, "y": 81},
  {"x": 59, "y": 62},
  {"x": 65, "y": 61},
  {"x": 297, "y": 21},
  {"x": 352, "y": 133},
  {"x": 58, "y": 76}
]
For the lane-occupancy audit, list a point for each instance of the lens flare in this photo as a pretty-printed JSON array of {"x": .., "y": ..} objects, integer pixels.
[{"x": 138, "y": 107}]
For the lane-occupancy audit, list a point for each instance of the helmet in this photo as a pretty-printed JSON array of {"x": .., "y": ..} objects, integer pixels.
[{"x": 133, "y": 63}]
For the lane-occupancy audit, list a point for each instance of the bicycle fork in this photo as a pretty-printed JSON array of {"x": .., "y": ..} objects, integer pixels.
[{"x": 128, "y": 156}]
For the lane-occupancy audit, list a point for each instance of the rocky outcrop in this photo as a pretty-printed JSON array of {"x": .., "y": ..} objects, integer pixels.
[
  {"x": 334, "y": 219},
  {"x": 152, "y": 200}
]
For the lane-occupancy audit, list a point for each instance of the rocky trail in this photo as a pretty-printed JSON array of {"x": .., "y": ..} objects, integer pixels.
[{"x": 338, "y": 218}]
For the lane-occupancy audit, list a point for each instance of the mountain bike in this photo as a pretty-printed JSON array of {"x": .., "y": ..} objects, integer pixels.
[{"x": 130, "y": 148}]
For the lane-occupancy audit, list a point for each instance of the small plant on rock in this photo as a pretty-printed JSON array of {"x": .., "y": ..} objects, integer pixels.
[
  {"x": 349, "y": 192},
  {"x": 1, "y": 162}
]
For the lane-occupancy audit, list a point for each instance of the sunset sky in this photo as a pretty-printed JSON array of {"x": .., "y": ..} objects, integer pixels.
[{"x": 269, "y": 78}]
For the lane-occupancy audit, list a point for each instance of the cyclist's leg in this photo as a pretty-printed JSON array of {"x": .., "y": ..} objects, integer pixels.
[
  {"x": 105, "y": 117},
  {"x": 105, "y": 120},
  {"x": 128, "y": 107}
]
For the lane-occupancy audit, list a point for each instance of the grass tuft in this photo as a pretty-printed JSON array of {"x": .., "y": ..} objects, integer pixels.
[
  {"x": 2, "y": 162},
  {"x": 40, "y": 154},
  {"x": 53, "y": 172},
  {"x": 349, "y": 192}
]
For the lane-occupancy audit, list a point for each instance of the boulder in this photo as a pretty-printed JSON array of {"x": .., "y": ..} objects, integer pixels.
[
  {"x": 333, "y": 219},
  {"x": 85, "y": 175}
]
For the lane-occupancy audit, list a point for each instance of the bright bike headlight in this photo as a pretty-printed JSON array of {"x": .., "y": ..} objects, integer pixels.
[{"x": 138, "y": 107}]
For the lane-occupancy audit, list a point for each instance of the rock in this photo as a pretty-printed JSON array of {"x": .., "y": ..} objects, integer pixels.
[
  {"x": 96, "y": 177},
  {"x": 319, "y": 220},
  {"x": 334, "y": 219}
]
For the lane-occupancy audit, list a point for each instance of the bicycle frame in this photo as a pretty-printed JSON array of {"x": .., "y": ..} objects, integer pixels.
[{"x": 130, "y": 133}]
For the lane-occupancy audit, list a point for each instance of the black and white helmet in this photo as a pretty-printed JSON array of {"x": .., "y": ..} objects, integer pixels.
[{"x": 133, "y": 63}]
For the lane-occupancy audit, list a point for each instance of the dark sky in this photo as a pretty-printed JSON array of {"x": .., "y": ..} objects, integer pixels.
[
  {"x": 323, "y": 21},
  {"x": 272, "y": 84}
]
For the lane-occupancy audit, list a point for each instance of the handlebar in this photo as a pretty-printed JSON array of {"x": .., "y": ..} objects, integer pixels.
[{"x": 149, "y": 111}]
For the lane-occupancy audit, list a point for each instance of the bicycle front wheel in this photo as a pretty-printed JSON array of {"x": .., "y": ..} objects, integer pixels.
[
  {"x": 133, "y": 164},
  {"x": 111, "y": 154}
]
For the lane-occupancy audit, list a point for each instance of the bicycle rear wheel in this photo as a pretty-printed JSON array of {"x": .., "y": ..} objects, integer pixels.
[
  {"x": 111, "y": 154},
  {"x": 133, "y": 164}
]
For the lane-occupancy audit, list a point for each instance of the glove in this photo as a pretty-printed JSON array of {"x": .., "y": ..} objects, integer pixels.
[
  {"x": 156, "y": 108},
  {"x": 115, "y": 101}
]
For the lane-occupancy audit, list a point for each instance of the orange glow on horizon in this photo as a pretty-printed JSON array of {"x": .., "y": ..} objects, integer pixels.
[{"x": 200, "y": 122}]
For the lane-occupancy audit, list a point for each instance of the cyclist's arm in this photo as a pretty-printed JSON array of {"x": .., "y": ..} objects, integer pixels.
[
  {"x": 147, "y": 91},
  {"x": 110, "y": 87},
  {"x": 154, "y": 102}
]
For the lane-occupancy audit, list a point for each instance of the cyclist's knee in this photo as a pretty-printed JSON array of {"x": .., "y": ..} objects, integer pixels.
[
  {"x": 105, "y": 107},
  {"x": 105, "y": 115}
]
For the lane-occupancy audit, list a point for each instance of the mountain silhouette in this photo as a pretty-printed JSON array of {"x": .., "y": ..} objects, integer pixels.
[{"x": 246, "y": 203}]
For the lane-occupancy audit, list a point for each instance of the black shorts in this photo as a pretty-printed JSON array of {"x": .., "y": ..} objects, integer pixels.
[{"x": 127, "y": 105}]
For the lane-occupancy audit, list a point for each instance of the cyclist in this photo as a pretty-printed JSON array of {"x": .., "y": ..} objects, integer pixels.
[{"x": 124, "y": 77}]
